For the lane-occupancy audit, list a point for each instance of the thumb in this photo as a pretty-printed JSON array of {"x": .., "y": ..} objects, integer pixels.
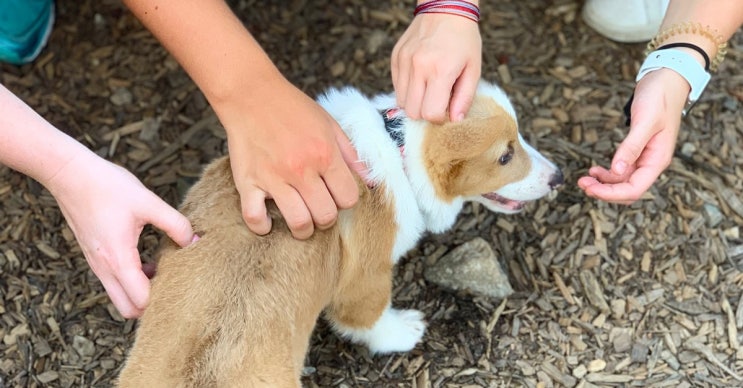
[
  {"x": 170, "y": 221},
  {"x": 349, "y": 154}
]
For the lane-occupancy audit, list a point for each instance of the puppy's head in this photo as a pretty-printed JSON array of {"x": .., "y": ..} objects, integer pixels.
[{"x": 483, "y": 158}]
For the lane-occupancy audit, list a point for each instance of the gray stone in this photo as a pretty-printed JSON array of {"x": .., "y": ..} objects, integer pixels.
[
  {"x": 471, "y": 266},
  {"x": 83, "y": 346},
  {"x": 639, "y": 353},
  {"x": 121, "y": 97},
  {"x": 712, "y": 215},
  {"x": 150, "y": 130},
  {"x": 687, "y": 357},
  {"x": 688, "y": 149}
]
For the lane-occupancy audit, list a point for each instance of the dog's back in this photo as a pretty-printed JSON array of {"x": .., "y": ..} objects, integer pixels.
[
  {"x": 237, "y": 310},
  {"x": 232, "y": 300}
]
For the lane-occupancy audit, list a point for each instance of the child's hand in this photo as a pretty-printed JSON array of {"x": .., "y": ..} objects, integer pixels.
[
  {"x": 648, "y": 148},
  {"x": 107, "y": 207},
  {"x": 284, "y": 146},
  {"x": 436, "y": 66}
]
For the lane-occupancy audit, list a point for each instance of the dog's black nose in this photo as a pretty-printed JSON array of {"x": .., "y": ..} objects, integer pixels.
[{"x": 556, "y": 180}]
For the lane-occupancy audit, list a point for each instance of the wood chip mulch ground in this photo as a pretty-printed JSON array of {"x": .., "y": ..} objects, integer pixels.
[{"x": 647, "y": 295}]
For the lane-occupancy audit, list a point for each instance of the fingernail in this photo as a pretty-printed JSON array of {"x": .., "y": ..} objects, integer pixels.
[
  {"x": 460, "y": 117},
  {"x": 195, "y": 238},
  {"x": 620, "y": 167}
]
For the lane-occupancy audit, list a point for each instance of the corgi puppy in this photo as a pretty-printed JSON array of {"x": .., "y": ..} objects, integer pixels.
[{"x": 235, "y": 309}]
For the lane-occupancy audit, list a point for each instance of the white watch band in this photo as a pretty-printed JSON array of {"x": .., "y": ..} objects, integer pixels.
[{"x": 682, "y": 63}]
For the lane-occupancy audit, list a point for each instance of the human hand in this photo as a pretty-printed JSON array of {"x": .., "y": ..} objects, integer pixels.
[
  {"x": 284, "y": 146},
  {"x": 107, "y": 207},
  {"x": 648, "y": 148},
  {"x": 436, "y": 65}
]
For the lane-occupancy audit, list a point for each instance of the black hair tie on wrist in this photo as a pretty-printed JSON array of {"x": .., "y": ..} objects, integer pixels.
[
  {"x": 689, "y": 46},
  {"x": 628, "y": 105}
]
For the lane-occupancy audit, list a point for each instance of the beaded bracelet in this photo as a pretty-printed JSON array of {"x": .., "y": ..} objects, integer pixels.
[
  {"x": 696, "y": 29},
  {"x": 452, "y": 7}
]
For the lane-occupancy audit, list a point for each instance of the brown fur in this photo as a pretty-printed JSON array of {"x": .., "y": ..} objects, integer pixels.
[
  {"x": 462, "y": 158},
  {"x": 237, "y": 310}
]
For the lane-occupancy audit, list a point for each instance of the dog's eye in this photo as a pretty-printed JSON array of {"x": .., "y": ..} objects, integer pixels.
[{"x": 506, "y": 157}]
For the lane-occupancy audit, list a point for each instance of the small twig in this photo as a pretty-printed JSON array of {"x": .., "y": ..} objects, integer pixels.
[
  {"x": 600, "y": 159},
  {"x": 704, "y": 166},
  {"x": 706, "y": 352},
  {"x": 491, "y": 324}
]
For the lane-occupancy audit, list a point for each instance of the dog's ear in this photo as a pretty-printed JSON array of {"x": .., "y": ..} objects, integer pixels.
[
  {"x": 452, "y": 142},
  {"x": 451, "y": 147},
  {"x": 486, "y": 121}
]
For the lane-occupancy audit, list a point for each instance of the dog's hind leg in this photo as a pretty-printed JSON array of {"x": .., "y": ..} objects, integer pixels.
[{"x": 361, "y": 312}]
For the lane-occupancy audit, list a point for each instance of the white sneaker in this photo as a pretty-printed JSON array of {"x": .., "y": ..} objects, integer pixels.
[{"x": 625, "y": 21}]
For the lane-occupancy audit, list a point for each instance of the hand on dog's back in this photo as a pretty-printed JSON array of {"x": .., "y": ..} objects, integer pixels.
[{"x": 292, "y": 151}]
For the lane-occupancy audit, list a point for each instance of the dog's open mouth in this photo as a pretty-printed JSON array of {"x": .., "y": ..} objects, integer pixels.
[{"x": 505, "y": 203}]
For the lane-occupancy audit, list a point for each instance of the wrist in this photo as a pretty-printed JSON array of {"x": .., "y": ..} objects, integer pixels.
[
  {"x": 248, "y": 101},
  {"x": 234, "y": 89},
  {"x": 73, "y": 172},
  {"x": 697, "y": 49},
  {"x": 474, "y": 2},
  {"x": 248, "y": 73},
  {"x": 707, "y": 39},
  {"x": 684, "y": 64},
  {"x": 462, "y": 8}
]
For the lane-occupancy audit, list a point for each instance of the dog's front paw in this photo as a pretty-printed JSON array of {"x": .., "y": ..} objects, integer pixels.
[{"x": 396, "y": 331}]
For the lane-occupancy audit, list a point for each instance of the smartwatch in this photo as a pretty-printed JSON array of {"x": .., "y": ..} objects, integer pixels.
[{"x": 682, "y": 63}]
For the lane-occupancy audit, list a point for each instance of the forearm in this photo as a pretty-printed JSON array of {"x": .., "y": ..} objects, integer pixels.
[
  {"x": 30, "y": 144},
  {"x": 723, "y": 17},
  {"x": 211, "y": 44}
]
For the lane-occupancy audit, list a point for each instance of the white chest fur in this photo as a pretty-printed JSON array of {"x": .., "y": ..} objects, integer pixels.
[{"x": 364, "y": 125}]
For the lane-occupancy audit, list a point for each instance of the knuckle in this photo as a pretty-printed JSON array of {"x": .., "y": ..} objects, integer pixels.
[
  {"x": 350, "y": 200},
  {"x": 324, "y": 158},
  {"x": 252, "y": 216},
  {"x": 430, "y": 114},
  {"x": 421, "y": 60},
  {"x": 295, "y": 166},
  {"x": 299, "y": 223},
  {"x": 405, "y": 52},
  {"x": 319, "y": 156},
  {"x": 327, "y": 219},
  {"x": 257, "y": 223},
  {"x": 395, "y": 53}
]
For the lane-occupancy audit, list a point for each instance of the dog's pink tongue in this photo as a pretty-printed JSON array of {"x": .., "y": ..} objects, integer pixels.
[
  {"x": 503, "y": 201},
  {"x": 513, "y": 205}
]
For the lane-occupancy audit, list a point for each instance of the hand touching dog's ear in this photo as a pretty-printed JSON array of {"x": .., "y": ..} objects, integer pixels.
[{"x": 436, "y": 66}]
